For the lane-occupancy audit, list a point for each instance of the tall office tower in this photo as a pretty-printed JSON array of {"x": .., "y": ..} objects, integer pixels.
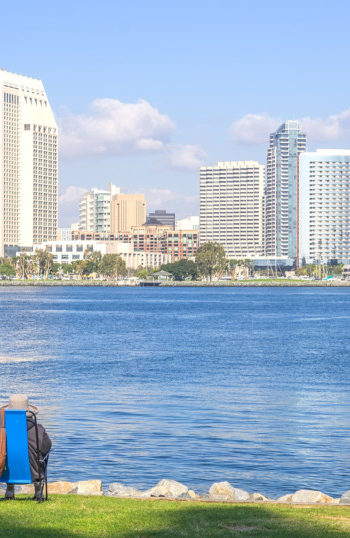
[
  {"x": 95, "y": 210},
  {"x": 162, "y": 218},
  {"x": 324, "y": 206},
  {"x": 127, "y": 210},
  {"x": 231, "y": 207},
  {"x": 286, "y": 144},
  {"x": 28, "y": 163}
]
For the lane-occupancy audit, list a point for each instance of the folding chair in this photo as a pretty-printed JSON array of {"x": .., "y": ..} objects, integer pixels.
[{"x": 17, "y": 468}]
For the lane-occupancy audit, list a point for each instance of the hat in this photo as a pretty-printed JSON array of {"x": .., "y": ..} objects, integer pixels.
[{"x": 20, "y": 401}]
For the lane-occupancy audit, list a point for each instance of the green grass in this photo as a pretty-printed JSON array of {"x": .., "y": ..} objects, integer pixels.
[{"x": 74, "y": 516}]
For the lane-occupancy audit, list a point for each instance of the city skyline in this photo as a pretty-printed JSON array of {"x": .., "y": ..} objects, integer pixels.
[{"x": 151, "y": 63}]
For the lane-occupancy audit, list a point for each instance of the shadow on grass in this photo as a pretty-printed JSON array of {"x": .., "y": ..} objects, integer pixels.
[{"x": 155, "y": 519}]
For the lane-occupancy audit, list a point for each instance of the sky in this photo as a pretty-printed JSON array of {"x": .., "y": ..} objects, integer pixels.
[{"x": 147, "y": 92}]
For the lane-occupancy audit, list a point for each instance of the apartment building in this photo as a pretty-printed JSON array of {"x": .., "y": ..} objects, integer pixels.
[
  {"x": 324, "y": 206},
  {"x": 231, "y": 207},
  {"x": 162, "y": 218},
  {"x": 280, "y": 207},
  {"x": 95, "y": 209},
  {"x": 28, "y": 163}
]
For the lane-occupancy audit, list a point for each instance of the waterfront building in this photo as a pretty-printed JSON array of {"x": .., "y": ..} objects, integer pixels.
[
  {"x": 28, "y": 163},
  {"x": 127, "y": 210},
  {"x": 95, "y": 209},
  {"x": 280, "y": 205},
  {"x": 71, "y": 251},
  {"x": 231, "y": 207},
  {"x": 324, "y": 206},
  {"x": 151, "y": 239},
  {"x": 188, "y": 223},
  {"x": 161, "y": 218}
]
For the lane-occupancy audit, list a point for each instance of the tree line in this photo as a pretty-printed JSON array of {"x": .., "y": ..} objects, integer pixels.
[{"x": 41, "y": 264}]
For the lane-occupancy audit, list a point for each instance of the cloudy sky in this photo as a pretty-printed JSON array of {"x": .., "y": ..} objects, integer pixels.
[{"x": 146, "y": 92}]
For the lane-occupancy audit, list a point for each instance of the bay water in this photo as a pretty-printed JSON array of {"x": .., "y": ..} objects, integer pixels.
[{"x": 249, "y": 385}]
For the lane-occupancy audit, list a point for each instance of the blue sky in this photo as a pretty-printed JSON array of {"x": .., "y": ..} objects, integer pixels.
[{"x": 145, "y": 92}]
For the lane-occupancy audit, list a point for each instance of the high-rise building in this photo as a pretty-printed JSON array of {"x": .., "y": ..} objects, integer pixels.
[
  {"x": 127, "y": 210},
  {"x": 95, "y": 209},
  {"x": 162, "y": 218},
  {"x": 324, "y": 206},
  {"x": 28, "y": 163},
  {"x": 280, "y": 205},
  {"x": 231, "y": 207},
  {"x": 188, "y": 223}
]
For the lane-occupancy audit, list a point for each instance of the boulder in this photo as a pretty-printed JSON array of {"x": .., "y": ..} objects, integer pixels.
[
  {"x": 167, "y": 488},
  {"x": 116, "y": 489},
  {"x": 86, "y": 487},
  {"x": 256, "y": 497},
  {"x": 345, "y": 498},
  {"x": 223, "y": 491},
  {"x": 60, "y": 488},
  {"x": 309, "y": 496},
  {"x": 192, "y": 494},
  {"x": 285, "y": 498}
]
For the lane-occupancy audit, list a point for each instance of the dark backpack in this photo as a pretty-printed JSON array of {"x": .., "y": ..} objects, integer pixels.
[{"x": 2, "y": 441}]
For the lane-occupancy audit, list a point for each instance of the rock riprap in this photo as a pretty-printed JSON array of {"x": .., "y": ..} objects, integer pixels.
[
  {"x": 168, "y": 488},
  {"x": 85, "y": 487},
  {"x": 116, "y": 489},
  {"x": 345, "y": 498},
  {"x": 223, "y": 491},
  {"x": 306, "y": 496}
]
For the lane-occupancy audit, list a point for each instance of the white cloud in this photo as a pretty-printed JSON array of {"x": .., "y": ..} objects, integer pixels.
[
  {"x": 68, "y": 204},
  {"x": 71, "y": 194},
  {"x": 186, "y": 157},
  {"x": 334, "y": 127},
  {"x": 111, "y": 127},
  {"x": 255, "y": 128},
  {"x": 171, "y": 201}
]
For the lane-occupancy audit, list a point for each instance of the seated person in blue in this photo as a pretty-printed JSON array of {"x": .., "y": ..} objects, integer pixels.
[{"x": 20, "y": 401}]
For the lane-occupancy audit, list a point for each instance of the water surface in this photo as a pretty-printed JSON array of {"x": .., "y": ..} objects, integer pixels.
[{"x": 249, "y": 385}]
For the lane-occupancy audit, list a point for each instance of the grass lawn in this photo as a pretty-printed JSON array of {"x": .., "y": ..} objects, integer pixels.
[{"x": 65, "y": 516}]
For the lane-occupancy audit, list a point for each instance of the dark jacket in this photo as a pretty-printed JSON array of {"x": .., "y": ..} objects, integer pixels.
[{"x": 44, "y": 448}]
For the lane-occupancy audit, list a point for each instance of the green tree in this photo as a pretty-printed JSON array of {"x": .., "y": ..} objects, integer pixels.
[
  {"x": 7, "y": 269},
  {"x": 22, "y": 267},
  {"x": 44, "y": 261},
  {"x": 112, "y": 266},
  {"x": 211, "y": 260},
  {"x": 182, "y": 269}
]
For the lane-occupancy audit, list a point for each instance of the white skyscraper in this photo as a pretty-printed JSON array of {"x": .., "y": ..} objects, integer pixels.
[
  {"x": 95, "y": 210},
  {"x": 28, "y": 163},
  {"x": 231, "y": 207},
  {"x": 324, "y": 206},
  {"x": 280, "y": 208}
]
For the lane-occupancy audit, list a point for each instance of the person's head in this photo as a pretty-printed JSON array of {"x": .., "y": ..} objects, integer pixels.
[{"x": 20, "y": 401}]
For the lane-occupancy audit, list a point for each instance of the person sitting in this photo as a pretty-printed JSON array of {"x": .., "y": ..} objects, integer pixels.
[{"x": 20, "y": 401}]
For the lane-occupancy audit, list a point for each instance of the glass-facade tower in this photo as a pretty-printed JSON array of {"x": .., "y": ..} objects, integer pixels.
[{"x": 281, "y": 198}]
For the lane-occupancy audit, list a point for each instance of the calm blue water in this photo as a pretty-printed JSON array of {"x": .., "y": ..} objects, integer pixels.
[{"x": 199, "y": 385}]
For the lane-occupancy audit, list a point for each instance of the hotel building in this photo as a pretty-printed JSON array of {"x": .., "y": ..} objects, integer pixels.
[
  {"x": 28, "y": 163},
  {"x": 280, "y": 206},
  {"x": 231, "y": 207},
  {"x": 324, "y": 206}
]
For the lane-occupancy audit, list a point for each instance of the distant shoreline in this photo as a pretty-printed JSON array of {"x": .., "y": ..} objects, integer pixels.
[{"x": 185, "y": 284}]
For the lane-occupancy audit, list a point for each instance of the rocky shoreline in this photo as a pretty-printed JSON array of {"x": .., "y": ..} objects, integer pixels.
[{"x": 172, "y": 490}]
